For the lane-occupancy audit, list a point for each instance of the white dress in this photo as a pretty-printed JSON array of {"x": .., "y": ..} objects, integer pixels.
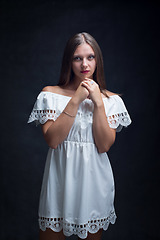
[{"x": 77, "y": 192}]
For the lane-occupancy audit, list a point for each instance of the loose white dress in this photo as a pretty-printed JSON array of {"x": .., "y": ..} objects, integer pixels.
[{"x": 77, "y": 192}]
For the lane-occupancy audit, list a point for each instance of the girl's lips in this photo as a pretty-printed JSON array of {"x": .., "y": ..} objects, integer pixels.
[{"x": 86, "y": 71}]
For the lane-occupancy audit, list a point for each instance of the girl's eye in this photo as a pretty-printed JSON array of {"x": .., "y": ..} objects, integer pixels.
[
  {"x": 91, "y": 57},
  {"x": 76, "y": 58}
]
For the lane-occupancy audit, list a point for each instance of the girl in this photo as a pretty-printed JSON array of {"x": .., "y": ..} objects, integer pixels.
[{"x": 79, "y": 120}]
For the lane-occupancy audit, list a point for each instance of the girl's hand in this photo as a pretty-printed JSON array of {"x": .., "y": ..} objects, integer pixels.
[
  {"x": 94, "y": 91},
  {"x": 81, "y": 93}
]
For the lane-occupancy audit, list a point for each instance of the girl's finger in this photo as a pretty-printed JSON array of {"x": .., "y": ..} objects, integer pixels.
[
  {"x": 88, "y": 79},
  {"x": 85, "y": 84},
  {"x": 91, "y": 82}
]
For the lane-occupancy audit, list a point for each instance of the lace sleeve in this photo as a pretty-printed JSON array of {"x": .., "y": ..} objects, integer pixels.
[
  {"x": 41, "y": 116},
  {"x": 46, "y": 107},
  {"x": 117, "y": 114}
]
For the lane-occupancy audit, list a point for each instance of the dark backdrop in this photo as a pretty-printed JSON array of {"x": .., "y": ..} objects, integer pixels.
[{"x": 33, "y": 37}]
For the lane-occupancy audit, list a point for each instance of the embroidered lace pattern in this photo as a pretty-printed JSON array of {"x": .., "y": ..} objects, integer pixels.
[
  {"x": 119, "y": 119},
  {"x": 41, "y": 116},
  {"x": 92, "y": 226}
]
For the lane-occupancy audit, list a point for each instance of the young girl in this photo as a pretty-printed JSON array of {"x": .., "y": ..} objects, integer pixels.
[{"x": 79, "y": 120}]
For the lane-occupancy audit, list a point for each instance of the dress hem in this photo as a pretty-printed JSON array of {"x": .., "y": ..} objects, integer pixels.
[{"x": 81, "y": 230}]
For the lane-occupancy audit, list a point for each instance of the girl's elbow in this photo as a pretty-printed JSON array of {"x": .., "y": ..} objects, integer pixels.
[
  {"x": 105, "y": 147},
  {"x": 51, "y": 142},
  {"x": 53, "y": 146}
]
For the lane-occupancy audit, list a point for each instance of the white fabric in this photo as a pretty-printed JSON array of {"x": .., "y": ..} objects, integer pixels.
[{"x": 78, "y": 187}]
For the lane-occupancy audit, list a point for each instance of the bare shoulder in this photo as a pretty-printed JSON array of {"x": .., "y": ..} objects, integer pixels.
[
  {"x": 58, "y": 90},
  {"x": 53, "y": 89},
  {"x": 109, "y": 93}
]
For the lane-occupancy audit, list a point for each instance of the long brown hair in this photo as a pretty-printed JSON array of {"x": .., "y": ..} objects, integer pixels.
[{"x": 66, "y": 75}]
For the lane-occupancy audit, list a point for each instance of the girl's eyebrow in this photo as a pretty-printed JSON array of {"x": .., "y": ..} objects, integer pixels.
[{"x": 79, "y": 55}]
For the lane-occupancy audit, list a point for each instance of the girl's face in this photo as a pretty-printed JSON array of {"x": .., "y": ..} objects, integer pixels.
[{"x": 84, "y": 62}]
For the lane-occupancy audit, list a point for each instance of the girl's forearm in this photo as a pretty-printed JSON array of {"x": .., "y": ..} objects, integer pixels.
[
  {"x": 55, "y": 132},
  {"x": 104, "y": 136}
]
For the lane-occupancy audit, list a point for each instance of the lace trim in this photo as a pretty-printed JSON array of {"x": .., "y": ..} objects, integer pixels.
[
  {"x": 41, "y": 116},
  {"x": 92, "y": 226},
  {"x": 119, "y": 119}
]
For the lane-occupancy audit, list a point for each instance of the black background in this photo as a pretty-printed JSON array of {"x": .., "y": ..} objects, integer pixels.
[{"x": 33, "y": 37}]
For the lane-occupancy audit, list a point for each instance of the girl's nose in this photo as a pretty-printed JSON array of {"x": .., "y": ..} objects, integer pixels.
[{"x": 84, "y": 63}]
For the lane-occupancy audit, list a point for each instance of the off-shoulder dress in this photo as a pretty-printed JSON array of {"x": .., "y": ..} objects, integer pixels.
[{"x": 77, "y": 193}]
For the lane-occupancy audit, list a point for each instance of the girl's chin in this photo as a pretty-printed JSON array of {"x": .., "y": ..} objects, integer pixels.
[{"x": 87, "y": 76}]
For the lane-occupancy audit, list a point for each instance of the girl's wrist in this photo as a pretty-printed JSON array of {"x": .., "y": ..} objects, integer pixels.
[
  {"x": 75, "y": 101},
  {"x": 98, "y": 103}
]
